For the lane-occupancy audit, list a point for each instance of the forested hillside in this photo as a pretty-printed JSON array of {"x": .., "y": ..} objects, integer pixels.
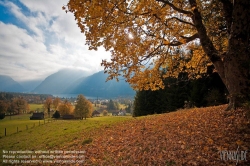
[{"x": 181, "y": 92}]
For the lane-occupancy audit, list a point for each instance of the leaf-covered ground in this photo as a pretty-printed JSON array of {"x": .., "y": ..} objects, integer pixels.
[{"x": 186, "y": 137}]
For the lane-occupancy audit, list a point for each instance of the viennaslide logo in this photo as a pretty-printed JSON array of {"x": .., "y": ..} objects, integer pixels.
[{"x": 233, "y": 155}]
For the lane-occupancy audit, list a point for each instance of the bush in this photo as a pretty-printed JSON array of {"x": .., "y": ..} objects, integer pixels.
[
  {"x": 56, "y": 115},
  {"x": 105, "y": 112},
  {"x": 2, "y": 115}
]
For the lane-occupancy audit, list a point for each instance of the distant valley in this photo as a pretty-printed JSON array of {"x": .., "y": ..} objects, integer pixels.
[{"x": 69, "y": 81}]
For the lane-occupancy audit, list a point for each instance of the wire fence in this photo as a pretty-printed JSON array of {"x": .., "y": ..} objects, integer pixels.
[{"x": 22, "y": 127}]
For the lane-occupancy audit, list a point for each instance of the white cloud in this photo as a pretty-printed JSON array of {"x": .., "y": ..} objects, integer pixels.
[{"x": 49, "y": 41}]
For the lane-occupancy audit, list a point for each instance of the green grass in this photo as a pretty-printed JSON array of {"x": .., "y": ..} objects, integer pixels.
[
  {"x": 53, "y": 135},
  {"x": 34, "y": 107},
  {"x": 22, "y": 122}
]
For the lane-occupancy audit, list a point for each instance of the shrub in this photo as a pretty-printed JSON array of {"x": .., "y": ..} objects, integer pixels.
[
  {"x": 87, "y": 141},
  {"x": 105, "y": 112},
  {"x": 2, "y": 115},
  {"x": 56, "y": 115}
]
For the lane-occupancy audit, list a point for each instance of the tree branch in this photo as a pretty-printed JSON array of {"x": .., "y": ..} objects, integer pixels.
[
  {"x": 206, "y": 43},
  {"x": 191, "y": 38},
  {"x": 187, "y": 39},
  {"x": 185, "y": 22},
  {"x": 228, "y": 11},
  {"x": 166, "y": 2}
]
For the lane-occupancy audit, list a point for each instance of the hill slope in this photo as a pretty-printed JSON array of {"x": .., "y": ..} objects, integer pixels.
[
  {"x": 30, "y": 85},
  {"x": 7, "y": 84},
  {"x": 186, "y": 137},
  {"x": 58, "y": 82}
]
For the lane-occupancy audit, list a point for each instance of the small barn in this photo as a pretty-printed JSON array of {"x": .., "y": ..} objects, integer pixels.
[
  {"x": 95, "y": 113},
  {"x": 37, "y": 116}
]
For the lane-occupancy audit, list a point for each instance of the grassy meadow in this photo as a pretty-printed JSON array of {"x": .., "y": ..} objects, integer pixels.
[
  {"x": 22, "y": 122},
  {"x": 45, "y": 132},
  {"x": 53, "y": 134},
  {"x": 34, "y": 107}
]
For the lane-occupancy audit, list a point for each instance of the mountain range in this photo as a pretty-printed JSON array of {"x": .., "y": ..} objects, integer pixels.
[
  {"x": 71, "y": 81},
  {"x": 96, "y": 85},
  {"x": 58, "y": 82},
  {"x": 7, "y": 84}
]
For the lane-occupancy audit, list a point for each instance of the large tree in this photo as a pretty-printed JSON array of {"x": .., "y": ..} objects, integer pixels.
[
  {"x": 145, "y": 36},
  {"x": 3, "y": 109},
  {"x": 83, "y": 107},
  {"x": 19, "y": 104},
  {"x": 65, "y": 108},
  {"x": 56, "y": 102}
]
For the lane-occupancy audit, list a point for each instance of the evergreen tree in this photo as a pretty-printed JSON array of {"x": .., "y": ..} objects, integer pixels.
[
  {"x": 56, "y": 115},
  {"x": 111, "y": 106},
  {"x": 129, "y": 108},
  {"x": 205, "y": 91}
]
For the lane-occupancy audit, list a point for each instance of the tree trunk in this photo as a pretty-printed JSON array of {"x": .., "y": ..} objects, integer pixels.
[
  {"x": 49, "y": 112},
  {"x": 237, "y": 80},
  {"x": 233, "y": 66},
  {"x": 237, "y": 59}
]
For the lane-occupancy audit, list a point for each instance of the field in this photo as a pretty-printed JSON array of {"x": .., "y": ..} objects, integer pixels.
[
  {"x": 185, "y": 137},
  {"x": 34, "y": 107},
  {"x": 53, "y": 134},
  {"x": 19, "y": 123}
]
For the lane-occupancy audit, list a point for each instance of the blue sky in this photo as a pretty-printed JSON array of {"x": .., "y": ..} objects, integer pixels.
[{"x": 37, "y": 38}]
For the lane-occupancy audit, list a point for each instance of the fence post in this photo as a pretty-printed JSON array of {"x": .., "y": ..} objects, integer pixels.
[
  {"x": 26, "y": 127},
  {"x": 5, "y": 131}
]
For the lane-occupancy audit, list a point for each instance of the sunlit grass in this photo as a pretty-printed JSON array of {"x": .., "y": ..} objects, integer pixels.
[
  {"x": 17, "y": 123},
  {"x": 34, "y": 107},
  {"x": 55, "y": 134}
]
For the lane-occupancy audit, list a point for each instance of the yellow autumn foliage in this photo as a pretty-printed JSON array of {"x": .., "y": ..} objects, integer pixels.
[{"x": 164, "y": 36}]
